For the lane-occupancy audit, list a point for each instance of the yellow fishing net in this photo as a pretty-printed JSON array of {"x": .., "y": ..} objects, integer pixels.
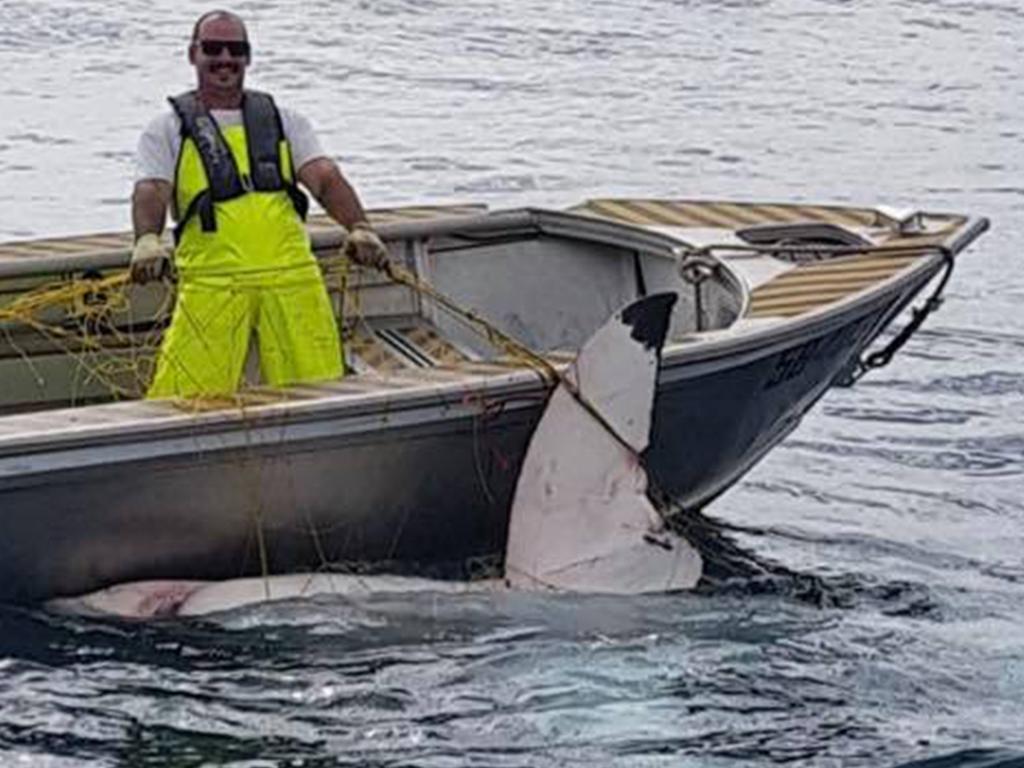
[
  {"x": 96, "y": 337},
  {"x": 105, "y": 347}
]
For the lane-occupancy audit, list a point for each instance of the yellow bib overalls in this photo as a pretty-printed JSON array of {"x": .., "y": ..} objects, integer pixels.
[{"x": 256, "y": 272}]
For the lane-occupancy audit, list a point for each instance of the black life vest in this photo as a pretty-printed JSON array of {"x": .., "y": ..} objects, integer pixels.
[{"x": 264, "y": 133}]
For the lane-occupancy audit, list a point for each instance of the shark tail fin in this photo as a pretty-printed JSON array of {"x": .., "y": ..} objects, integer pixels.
[{"x": 581, "y": 520}]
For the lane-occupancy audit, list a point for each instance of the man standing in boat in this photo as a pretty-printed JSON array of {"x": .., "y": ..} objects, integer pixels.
[{"x": 228, "y": 162}]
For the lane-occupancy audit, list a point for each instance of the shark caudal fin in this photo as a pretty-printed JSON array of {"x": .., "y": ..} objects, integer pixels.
[{"x": 581, "y": 520}]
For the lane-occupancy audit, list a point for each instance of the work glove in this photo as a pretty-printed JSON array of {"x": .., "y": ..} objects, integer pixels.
[
  {"x": 150, "y": 259},
  {"x": 365, "y": 247}
]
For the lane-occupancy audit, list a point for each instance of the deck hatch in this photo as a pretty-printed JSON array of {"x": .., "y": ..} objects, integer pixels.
[{"x": 806, "y": 233}]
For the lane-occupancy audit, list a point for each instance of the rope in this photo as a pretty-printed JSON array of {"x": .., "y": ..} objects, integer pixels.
[
  {"x": 77, "y": 293},
  {"x": 496, "y": 337},
  {"x": 77, "y": 316},
  {"x": 503, "y": 341}
]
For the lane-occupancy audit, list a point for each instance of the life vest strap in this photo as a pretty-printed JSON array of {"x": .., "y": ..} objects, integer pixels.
[
  {"x": 202, "y": 204},
  {"x": 263, "y": 133}
]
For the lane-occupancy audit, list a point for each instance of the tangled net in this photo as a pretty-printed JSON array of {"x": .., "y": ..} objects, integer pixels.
[
  {"x": 108, "y": 330},
  {"x": 89, "y": 320}
]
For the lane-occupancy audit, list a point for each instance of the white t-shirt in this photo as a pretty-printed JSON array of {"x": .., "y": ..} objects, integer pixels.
[{"x": 157, "y": 153}]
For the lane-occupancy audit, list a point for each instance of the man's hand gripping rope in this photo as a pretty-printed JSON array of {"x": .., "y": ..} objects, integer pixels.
[
  {"x": 151, "y": 259},
  {"x": 364, "y": 246}
]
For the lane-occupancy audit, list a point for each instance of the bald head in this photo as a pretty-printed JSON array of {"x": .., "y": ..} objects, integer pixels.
[{"x": 220, "y": 17}]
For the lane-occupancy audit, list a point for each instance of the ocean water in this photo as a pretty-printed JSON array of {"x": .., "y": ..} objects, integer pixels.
[{"x": 887, "y": 624}]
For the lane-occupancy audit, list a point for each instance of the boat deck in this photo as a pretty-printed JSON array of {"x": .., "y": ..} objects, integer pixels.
[{"x": 802, "y": 287}]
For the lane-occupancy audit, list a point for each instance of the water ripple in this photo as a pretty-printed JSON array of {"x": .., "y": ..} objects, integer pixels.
[
  {"x": 29, "y": 27},
  {"x": 981, "y": 455},
  {"x": 864, "y": 608},
  {"x": 904, "y": 415}
]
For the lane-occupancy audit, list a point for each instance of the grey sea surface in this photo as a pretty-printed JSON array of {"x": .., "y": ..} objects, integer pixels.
[{"x": 891, "y": 630}]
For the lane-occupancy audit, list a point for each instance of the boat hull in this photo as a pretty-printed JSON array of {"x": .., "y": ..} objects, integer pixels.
[{"x": 429, "y": 489}]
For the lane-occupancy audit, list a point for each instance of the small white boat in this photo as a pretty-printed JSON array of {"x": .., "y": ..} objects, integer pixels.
[{"x": 410, "y": 461}]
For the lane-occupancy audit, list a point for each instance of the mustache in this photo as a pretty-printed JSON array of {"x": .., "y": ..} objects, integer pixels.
[{"x": 224, "y": 65}]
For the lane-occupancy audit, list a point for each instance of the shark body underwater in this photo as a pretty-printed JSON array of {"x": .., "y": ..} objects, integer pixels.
[{"x": 581, "y": 520}]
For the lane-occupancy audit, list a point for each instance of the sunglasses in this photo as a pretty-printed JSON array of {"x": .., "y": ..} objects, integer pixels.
[{"x": 237, "y": 48}]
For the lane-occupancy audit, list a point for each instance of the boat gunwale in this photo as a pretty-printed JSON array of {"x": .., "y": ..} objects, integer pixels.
[
  {"x": 740, "y": 346},
  {"x": 179, "y": 421},
  {"x": 740, "y": 349},
  {"x": 330, "y": 239}
]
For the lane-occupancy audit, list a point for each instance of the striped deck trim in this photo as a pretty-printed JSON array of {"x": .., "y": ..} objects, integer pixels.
[
  {"x": 434, "y": 345},
  {"x": 419, "y": 347},
  {"x": 730, "y": 215},
  {"x": 723, "y": 214},
  {"x": 373, "y": 353},
  {"x": 380, "y": 216},
  {"x": 811, "y": 286},
  {"x": 111, "y": 241}
]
